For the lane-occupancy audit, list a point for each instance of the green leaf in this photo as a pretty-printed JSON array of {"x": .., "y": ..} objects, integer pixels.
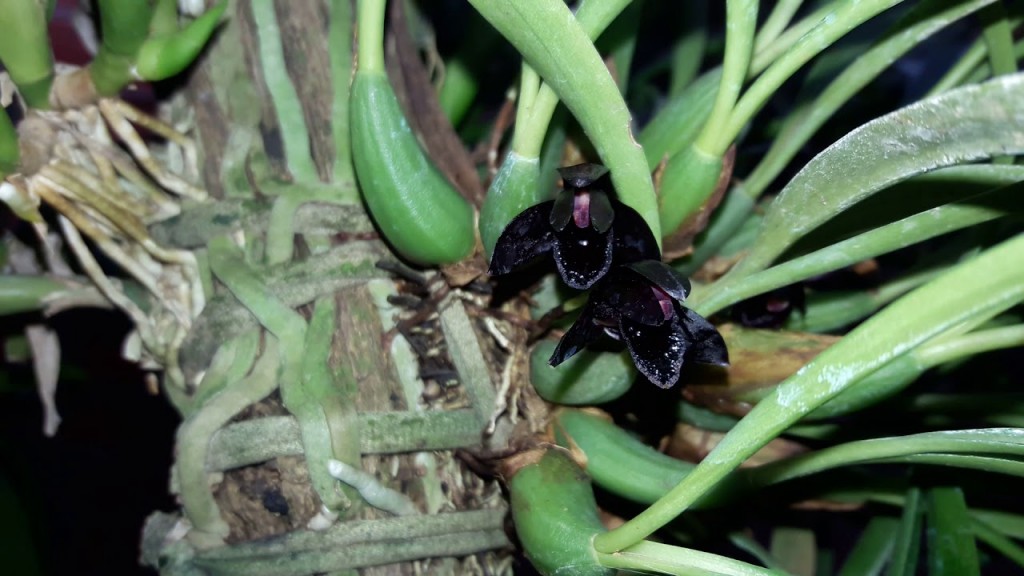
[
  {"x": 873, "y": 548},
  {"x": 905, "y": 232},
  {"x": 998, "y": 542},
  {"x": 924, "y": 20},
  {"x": 963, "y": 125},
  {"x": 908, "y": 539},
  {"x": 992, "y": 281},
  {"x": 951, "y": 546}
]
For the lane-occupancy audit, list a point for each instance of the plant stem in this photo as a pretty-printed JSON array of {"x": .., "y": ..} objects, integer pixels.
[
  {"x": 665, "y": 559},
  {"x": 25, "y": 50},
  {"x": 593, "y": 17},
  {"x": 9, "y": 151},
  {"x": 688, "y": 53},
  {"x": 781, "y": 15},
  {"x": 525, "y": 142},
  {"x": 741, "y": 18},
  {"x": 370, "y": 21},
  {"x": 971, "y": 344},
  {"x": 771, "y": 52}
]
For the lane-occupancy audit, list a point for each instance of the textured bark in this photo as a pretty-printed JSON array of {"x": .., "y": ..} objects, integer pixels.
[{"x": 244, "y": 157}]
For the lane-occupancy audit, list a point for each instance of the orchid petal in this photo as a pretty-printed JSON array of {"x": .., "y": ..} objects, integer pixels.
[
  {"x": 583, "y": 255},
  {"x": 657, "y": 351},
  {"x": 528, "y": 236},
  {"x": 706, "y": 344},
  {"x": 582, "y": 333}
]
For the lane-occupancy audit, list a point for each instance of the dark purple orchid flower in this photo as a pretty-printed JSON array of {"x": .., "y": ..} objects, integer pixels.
[
  {"x": 583, "y": 228},
  {"x": 642, "y": 304}
]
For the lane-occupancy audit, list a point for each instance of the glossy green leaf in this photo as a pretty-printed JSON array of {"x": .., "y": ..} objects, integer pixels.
[
  {"x": 963, "y": 125},
  {"x": 905, "y": 232},
  {"x": 952, "y": 550},
  {"x": 992, "y": 281},
  {"x": 924, "y": 20}
]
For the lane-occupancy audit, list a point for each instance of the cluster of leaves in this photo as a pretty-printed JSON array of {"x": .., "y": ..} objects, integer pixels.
[
  {"x": 903, "y": 195},
  {"x": 927, "y": 189}
]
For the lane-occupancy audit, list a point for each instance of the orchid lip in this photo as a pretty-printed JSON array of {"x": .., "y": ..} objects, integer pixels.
[{"x": 581, "y": 209}]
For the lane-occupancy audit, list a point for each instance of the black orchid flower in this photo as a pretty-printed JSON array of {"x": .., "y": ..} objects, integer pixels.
[
  {"x": 642, "y": 303},
  {"x": 583, "y": 228}
]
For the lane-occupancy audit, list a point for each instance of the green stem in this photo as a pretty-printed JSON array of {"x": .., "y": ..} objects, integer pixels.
[
  {"x": 525, "y": 142},
  {"x": 649, "y": 556},
  {"x": 998, "y": 36},
  {"x": 780, "y": 17},
  {"x": 971, "y": 344},
  {"x": 370, "y": 20},
  {"x": 961, "y": 69},
  {"x": 845, "y": 17},
  {"x": 124, "y": 26},
  {"x": 25, "y": 50},
  {"x": 873, "y": 548},
  {"x": 741, "y": 18},
  {"x": 593, "y": 17},
  {"x": 10, "y": 154},
  {"x": 771, "y": 52},
  {"x": 908, "y": 539},
  {"x": 688, "y": 53}
]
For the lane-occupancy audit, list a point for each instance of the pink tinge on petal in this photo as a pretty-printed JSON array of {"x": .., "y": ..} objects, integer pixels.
[
  {"x": 664, "y": 301},
  {"x": 581, "y": 209}
]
